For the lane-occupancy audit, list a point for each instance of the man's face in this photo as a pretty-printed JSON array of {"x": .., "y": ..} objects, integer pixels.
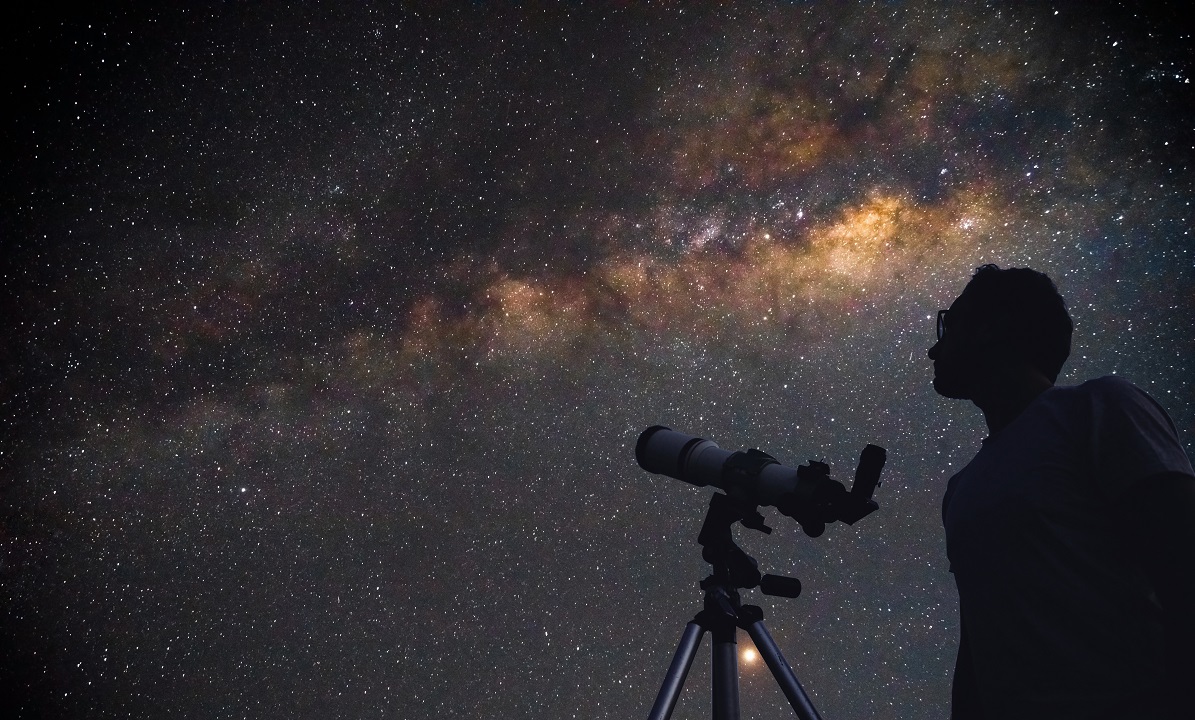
[{"x": 957, "y": 356}]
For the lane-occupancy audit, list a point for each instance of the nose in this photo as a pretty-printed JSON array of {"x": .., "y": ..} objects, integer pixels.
[{"x": 934, "y": 351}]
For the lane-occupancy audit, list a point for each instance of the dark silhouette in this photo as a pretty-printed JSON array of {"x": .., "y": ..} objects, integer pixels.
[{"x": 1071, "y": 534}]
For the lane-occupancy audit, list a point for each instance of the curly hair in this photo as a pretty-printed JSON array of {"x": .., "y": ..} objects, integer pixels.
[{"x": 1039, "y": 325}]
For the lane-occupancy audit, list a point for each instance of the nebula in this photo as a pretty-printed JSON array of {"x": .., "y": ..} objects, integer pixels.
[{"x": 331, "y": 331}]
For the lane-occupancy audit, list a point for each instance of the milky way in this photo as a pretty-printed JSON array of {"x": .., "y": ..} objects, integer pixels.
[{"x": 329, "y": 333}]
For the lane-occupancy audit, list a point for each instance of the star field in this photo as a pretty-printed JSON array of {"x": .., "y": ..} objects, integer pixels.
[{"x": 329, "y": 332}]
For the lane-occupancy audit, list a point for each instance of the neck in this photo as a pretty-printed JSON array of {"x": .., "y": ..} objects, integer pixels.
[{"x": 1009, "y": 396}]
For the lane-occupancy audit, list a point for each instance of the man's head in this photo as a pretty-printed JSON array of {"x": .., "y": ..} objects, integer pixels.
[{"x": 1006, "y": 320}]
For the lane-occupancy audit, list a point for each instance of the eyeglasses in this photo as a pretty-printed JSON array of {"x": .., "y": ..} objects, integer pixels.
[{"x": 942, "y": 323}]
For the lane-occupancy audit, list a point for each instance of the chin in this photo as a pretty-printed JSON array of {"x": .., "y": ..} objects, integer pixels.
[{"x": 946, "y": 389}]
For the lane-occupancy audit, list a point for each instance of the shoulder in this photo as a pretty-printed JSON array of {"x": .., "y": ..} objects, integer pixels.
[
  {"x": 1109, "y": 384},
  {"x": 1112, "y": 403},
  {"x": 1115, "y": 403},
  {"x": 1113, "y": 390},
  {"x": 1129, "y": 435}
]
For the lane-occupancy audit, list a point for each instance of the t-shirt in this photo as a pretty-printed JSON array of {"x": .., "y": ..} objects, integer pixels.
[{"x": 1058, "y": 618}]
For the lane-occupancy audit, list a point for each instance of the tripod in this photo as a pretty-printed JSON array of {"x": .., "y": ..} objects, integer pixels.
[{"x": 723, "y": 613}]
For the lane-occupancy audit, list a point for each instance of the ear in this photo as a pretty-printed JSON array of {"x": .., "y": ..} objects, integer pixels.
[
  {"x": 993, "y": 336},
  {"x": 995, "y": 329}
]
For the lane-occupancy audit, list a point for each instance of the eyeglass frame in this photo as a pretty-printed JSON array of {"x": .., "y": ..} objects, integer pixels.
[{"x": 942, "y": 323}]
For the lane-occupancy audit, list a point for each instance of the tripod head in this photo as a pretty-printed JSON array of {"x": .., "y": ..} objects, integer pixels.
[{"x": 732, "y": 567}]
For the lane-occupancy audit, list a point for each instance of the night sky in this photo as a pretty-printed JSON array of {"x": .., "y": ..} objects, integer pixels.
[{"x": 328, "y": 332}]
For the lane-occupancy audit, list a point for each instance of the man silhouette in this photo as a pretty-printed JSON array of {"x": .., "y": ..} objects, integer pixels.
[{"x": 1071, "y": 534}]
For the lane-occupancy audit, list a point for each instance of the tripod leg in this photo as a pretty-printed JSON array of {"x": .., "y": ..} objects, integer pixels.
[
  {"x": 726, "y": 672},
  {"x": 800, "y": 702},
  {"x": 686, "y": 650}
]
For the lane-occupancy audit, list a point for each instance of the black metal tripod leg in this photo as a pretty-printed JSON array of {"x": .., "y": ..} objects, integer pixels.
[
  {"x": 686, "y": 650},
  {"x": 726, "y": 672},
  {"x": 800, "y": 702}
]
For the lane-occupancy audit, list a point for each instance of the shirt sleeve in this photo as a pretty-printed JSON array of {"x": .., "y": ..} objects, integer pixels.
[{"x": 1131, "y": 437}]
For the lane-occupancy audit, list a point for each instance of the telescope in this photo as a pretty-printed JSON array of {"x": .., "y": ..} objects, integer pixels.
[
  {"x": 747, "y": 480},
  {"x": 807, "y": 493}
]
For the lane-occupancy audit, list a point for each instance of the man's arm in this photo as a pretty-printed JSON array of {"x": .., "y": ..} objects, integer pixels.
[
  {"x": 1161, "y": 515},
  {"x": 964, "y": 693}
]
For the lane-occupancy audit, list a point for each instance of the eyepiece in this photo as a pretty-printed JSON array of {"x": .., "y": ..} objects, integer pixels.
[{"x": 867, "y": 474}]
